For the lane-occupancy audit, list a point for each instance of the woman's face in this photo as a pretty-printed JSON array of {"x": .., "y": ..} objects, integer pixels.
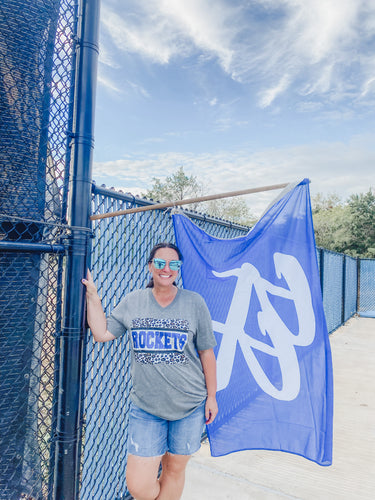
[{"x": 164, "y": 277}]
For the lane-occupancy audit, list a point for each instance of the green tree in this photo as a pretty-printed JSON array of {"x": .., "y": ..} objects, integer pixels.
[
  {"x": 177, "y": 186},
  {"x": 330, "y": 225},
  {"x": 180, "y": 186},
  {"x": 321, "y": 202},
  {"x": 362, "y": 224},
  {"x": 347, "y": 227},
  {"x": 232, "y": 209}
]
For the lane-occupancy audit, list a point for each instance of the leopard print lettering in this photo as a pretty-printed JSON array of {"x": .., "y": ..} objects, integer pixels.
[
  {"x": 168, "y": 358},
  {"x": 165, "y": 324}
]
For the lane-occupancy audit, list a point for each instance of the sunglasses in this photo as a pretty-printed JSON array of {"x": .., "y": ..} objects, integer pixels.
[{"x": 174, "y": 265}]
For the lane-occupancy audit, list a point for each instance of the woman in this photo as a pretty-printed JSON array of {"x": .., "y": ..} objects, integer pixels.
[{"x": 174, "y": 389}]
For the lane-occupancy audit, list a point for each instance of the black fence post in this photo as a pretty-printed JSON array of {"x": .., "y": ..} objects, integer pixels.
[
  {"x": 358, "y": 305},
  {"x": 321, "y": 269},
  {"x": 71, "y": 341},
  {"x": 343, "y": 290}
]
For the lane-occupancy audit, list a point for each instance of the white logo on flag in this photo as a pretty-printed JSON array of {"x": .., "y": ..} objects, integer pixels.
[{"x": 270, "y": 323}]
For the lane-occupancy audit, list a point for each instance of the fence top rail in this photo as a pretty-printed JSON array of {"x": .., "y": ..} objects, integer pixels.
[
  {"x": 143, "y": 202},
  {"x": 178, "y": 203},
  {"x": 334, "y": 252}
]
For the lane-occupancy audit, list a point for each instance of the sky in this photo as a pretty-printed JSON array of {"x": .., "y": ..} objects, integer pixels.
[{"x": 240, "y": 93}]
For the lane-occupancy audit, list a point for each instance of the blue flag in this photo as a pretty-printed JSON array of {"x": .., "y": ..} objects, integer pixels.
[{"x": 274, "y": 367}]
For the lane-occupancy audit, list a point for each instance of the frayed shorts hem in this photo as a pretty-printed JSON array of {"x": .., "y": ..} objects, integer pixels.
[{"x": 151, "y": 436}]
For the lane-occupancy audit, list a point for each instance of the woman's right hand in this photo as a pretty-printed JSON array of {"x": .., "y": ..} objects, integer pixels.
[
  {"x": 89, "y": 284},
  {"x": 95, "y": 314}
]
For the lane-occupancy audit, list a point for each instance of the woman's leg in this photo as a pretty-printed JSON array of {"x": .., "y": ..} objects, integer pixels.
[
  {"x": 147, "y": 443},
  {"x": 184, "y": 438},
  {"x": 142, "y": 477},
  {"x": 172, "y": 477},
  {"x": 150, "y": 437}
]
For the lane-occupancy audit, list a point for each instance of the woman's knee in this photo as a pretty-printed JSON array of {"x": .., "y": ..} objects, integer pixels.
[
  {"x": 174, "y": 464},
  {"x": 141, "y": 477},
  {"x": 141, "y": 489}
]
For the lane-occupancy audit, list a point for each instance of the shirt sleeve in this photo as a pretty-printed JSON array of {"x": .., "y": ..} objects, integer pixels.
[
  {"x": 116, "y": 321},
  {"x": 205, "y": 335}
]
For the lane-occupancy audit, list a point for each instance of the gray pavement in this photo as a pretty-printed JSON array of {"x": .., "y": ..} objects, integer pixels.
[{"x": 269, "y": 475}]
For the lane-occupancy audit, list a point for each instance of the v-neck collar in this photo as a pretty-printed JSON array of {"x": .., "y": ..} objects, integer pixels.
[{"x": 164, "y": 307}]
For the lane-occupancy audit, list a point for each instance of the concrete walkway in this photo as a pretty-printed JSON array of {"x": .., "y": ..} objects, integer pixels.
[{"x": 269, "y": 475}]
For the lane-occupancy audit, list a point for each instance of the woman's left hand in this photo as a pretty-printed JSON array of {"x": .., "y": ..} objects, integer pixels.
[{"x": 211, "y": 409}]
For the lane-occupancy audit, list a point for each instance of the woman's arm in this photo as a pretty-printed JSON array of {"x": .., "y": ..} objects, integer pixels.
[
  {"x": 95, "y": 314},
  {"x": 208, "y": 361}
]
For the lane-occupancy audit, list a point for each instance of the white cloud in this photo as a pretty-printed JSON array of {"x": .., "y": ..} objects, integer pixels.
[
  {"x": 108, "y": 84},
  {"x": 317, "y": 45},
  {"x": 323, "y": 28},
  {"x": 338, "y": 168},
  {"x": 268, "y": 96},
  {"x": 204, "y": 22},
  {"x": 159, "y": 30},
  {"x": 139, "y": 89},
  {"x": 368, "y": 87},
  {"x": 322, "y": 47}
]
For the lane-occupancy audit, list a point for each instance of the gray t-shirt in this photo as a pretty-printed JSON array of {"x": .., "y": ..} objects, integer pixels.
[{"x": 167, "y": 374}]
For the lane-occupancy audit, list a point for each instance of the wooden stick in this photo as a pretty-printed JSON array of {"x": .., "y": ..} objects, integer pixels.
[{"x": 168, "y": 204}]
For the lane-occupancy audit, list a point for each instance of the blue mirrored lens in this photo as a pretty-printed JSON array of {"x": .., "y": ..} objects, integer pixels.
[
  {"x": 159, "y": 263},
  {"x": 175, "y": 265}
]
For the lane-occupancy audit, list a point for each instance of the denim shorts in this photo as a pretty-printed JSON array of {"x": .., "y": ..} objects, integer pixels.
[{"x": 151, "y": 436}]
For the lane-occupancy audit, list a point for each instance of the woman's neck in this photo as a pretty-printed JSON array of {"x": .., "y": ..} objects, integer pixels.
[{"x": 164, "y": 295}]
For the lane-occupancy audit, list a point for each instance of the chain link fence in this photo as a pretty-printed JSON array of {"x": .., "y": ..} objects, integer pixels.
[
  {"x": 339, "y": 282},
  {"x": 366, "y": 292},
  {"x": 36, "y": 53}
]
